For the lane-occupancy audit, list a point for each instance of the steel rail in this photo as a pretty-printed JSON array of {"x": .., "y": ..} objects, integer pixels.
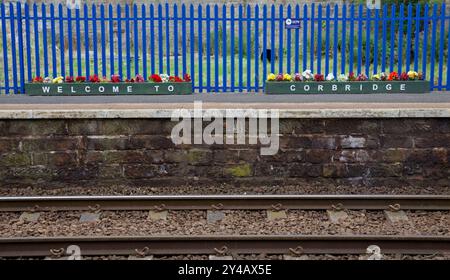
[
  {"x": 224, "y": 244},
  {"x": 225, "y": 202}
]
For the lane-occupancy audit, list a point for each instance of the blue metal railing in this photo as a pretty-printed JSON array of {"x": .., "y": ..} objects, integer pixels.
[{"x": 226, "y": 48}]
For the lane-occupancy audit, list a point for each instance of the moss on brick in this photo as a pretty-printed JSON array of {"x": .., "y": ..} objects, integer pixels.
[{"x": 243, "y": 170}]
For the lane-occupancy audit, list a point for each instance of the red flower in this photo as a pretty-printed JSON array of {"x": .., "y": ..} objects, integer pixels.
[
  {"x": 175, "y": 79},
  {"x": 115, "y": 79},
  {"x": 351, "y": 76},
  {"x": 80, "y": 79},
  {"x": 404, "y": 76},
  {"x": 139, "y": 79},
  {"x": 187, "y": 78},
  {"x": 129, "y": 80},
  {"x": 37, "y": 79},
  {"x": 279, "y": 77},
  {"x": 393, "y": 76},
  {"x": 319, "y": 78},
  {"x": 94, "y": 79},
  {"x": 155, "y": 78},
  {"x": 69, "y": 79}
]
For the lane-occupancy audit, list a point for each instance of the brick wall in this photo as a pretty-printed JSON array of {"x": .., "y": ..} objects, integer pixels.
[{"x": 139, "y": 151}]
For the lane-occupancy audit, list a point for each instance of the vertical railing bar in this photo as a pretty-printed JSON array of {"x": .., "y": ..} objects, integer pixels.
[
  {"x": 78, "y": 35},
  {"x": 5, "y": 49},
  {"x": 13, "y": 46},
  {"x": 288, "y": 42},
  {"x": 272, "y": 38},
  {"x": 441, "y": 46},
  {"x": 119, "y": 40},
  {"x": 103, "y": 38},
  {"x": 448, "y": 58},
  {"x": 416, "y": 38},
  {"x": 86, "y": 40},
  {"x": 305, "y": 37},
  {"x": 400, "y": 38},
  {"x": 240, "y": 49},
  {"x": 344, "y": 26},
  {"x": 280, "y": 42},
  {"x": 433, "y": 46},
  {"x": 192, "y": 43},
  {"x": 127, "y": 40},
  {"x": 312, "y": 50},
  {"x": 384, "y": 40},
  {"x": 70, "y": 41},
  {"x": 44, "y": 38},
  {"x": 28, "y": 40},
  {"x": 408, "y": 38},
  {"x": 144, "y": 40},
  {"x": 200, "y": 48},
  {"x": 327, "y": 41},
  {"x": 152, "y": 39},
  {"x": 61, "y": 40},
  {"x": 160, "y": 41},
  {"x": 360, "y": 14},
  {"x": 335, "y": 40},
  {"x": 297, "y": 40},
  {"x": 168, "y": 39},
  {"x": 249, "y": 51},
  {"x": 53, "y": 34},
  {"x": 257, "y": 48},
  {"x": 352, "y": 37},
  {"x": 232, "y": 59},
  {"x": 208, "y": 47},
  {"x": 136, "y": 40},
  {"x": 319, "y": 39},
  {"x": 367, "y": 60},
  {"x": 224, "y": 48},
  {"x": 175, "y": 37},
  {"x": 21, "y": 56},
  {"x": 425, "y": 42},
  {"x": 111, "y": 40},
  {"x": 392, "y": 48},
  {"x": 183, "y": 37},
  {"x": 375, "y": 42}
]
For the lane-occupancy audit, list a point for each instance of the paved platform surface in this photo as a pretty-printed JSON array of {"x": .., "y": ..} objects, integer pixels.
[{"x": 230, "y": 100}]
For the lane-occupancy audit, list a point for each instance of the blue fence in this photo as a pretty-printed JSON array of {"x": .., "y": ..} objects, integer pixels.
[{"x": 226, "y": 48}]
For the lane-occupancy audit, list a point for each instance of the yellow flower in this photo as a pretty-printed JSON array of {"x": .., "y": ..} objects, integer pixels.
[
  {"x": 58, "y": 80},
  {"x": 412, "y": 75},
  {"x": 287, "y": 77},
  {"x": 376, "y": 77},
  {"x": 271, "y": 77}
]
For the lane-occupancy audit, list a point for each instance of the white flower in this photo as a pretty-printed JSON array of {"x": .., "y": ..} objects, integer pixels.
[
  {"x": 330, "y": 77},
  {"x": 307, "y": 74},
  {"x": 164, "y": 78},
  {"x": 342, "y": 78},
  {"x": 48, "y": 80}
]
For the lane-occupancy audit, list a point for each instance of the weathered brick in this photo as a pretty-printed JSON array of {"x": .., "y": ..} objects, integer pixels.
[
  {"x": 146, "y": 170},
  {"x": 385, "y": 170},
  {"x": 83, "y": 127},
  {"x": 293, "y": 142},
  {"x": 55, "y": 158},
  {"x": 356, "y": 170},
  {"x": 353, "y": 142},
  {"x": 76, "y": 173},
  {"x": 241, "y": 170},
  {"x": 334, "y": 170},
  {"x": 352, "y": 126},
  {"x": 396, "y": 141},
  {"x": 113, "y": 171},
  {"x": 150, "y": 142},
  {"x": 301, "y": 126},
  {"x": 324, "y": 142},
  {"x": 409, "y": 126},
  {"x": 9, "y": 145},
  {"x": 437, "y": 141},
  {"x": 37, "y": 127},
  {"x": 55, "y": 143},
  {"x": 271, "y": 169},
  {"x": 108, "y": 142},
  {"x": 192, "y": 156},
  {"x": 15, "y": 159},
  {"x": 319, "y": 156},
  {"x": 356, "y": 155},
  {"x": 394, "y": 155},
  {"x": 304, "y": 170}
]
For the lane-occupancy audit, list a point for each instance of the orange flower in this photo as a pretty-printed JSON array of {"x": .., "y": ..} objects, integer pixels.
[{"x": 393, "y": 76}]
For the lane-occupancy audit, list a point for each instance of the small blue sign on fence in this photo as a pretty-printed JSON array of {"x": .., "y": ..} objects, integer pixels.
[{"x": 291, "y": 23}]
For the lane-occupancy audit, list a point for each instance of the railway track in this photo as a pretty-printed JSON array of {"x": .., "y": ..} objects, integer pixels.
[
  {"x": 226, "y": 202},
  {"x": 224, "y": 245}
]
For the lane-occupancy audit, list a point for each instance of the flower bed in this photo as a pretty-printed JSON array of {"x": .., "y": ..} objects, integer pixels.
[
  {"x": 308, "y": 83},
  {"x": 156, "y": 84}
]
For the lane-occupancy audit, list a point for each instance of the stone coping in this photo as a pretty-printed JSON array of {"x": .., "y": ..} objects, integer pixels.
[{"x": 310, "y": 110}]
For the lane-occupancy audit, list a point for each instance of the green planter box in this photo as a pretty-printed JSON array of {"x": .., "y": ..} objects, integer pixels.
[
  {"x": 347, "y": 87},
  {"x": 108, "y": 88}
]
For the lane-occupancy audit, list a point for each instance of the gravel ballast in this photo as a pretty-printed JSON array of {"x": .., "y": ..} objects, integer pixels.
[
  {"x": 224, "y": 189},
  {"x": 130, "y": 223}
]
